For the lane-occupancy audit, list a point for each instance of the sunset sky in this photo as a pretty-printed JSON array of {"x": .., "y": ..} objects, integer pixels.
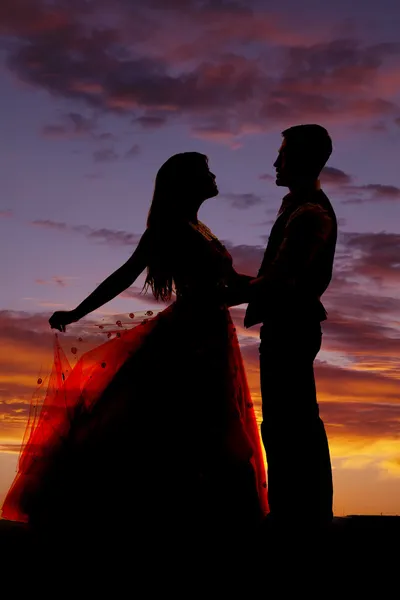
[{"x": 97, "y": 94}]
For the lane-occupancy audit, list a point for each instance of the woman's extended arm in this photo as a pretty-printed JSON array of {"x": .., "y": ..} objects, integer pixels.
[{"x": 111, "y": 287}]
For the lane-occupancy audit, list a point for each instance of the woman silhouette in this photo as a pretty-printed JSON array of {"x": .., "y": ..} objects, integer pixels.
[{"x": 154, "y": 428}]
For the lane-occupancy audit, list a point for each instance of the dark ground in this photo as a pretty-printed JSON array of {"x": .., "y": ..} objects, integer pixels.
[{"x": 359, "y": 556}]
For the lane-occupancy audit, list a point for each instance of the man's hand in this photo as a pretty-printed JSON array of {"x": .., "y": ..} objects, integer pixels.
[{"x": 256, "y": 299}]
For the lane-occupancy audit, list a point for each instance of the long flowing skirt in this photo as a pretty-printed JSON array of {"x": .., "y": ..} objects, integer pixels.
[{"x": 156, "y": 425}]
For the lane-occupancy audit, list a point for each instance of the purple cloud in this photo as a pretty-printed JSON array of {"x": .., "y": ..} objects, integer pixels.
[
  {"x": 335, "y": 176},
  {"x": 377, "y": 192},
  {"x": 242, "y": 201},
  {"x": 133, "y": 151},
  {"x": 103, "y": 235},
  {"x": 201, "y": 73},
  {"x": 105, "y": 155}
]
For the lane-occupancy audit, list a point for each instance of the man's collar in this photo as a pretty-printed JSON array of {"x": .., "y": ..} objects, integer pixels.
[{"x": 293, "y": 199}]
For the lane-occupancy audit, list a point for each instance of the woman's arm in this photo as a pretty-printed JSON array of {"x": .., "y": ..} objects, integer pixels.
[
  {"x": 117, "y": 282},
  {"x": 111, "y": 287}
]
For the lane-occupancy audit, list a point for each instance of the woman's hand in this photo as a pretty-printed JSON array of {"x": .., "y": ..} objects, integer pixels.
[
  {"x": 238, "y": 289},
  {"x": 61, "y": 318}
]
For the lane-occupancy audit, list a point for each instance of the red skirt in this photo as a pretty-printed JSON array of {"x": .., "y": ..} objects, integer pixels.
[{"x": 158, "y": 420}]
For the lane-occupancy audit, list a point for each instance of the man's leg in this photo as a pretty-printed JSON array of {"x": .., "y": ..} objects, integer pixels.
[{"x": 299, "y": 471}]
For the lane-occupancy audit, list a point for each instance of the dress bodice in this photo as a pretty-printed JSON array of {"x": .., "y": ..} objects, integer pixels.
[{"x": 203, "y": 265}]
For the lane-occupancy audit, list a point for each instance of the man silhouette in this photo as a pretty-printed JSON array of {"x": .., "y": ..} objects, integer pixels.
[{"x": 285, "y": 298}]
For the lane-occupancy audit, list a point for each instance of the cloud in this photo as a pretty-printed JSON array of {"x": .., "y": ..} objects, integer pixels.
[
  {"x": 192, "y": 65},
  {"x": 363, "y": 309},
  {"x": 367, "y": 420},
  {"x": 220, "y": 133},
  {"x": 74, "y": 125},
  {"x": 106, "y": 136},
  {"x": 26, "y": 356},
  {"x": 133, "y": 151},
  {"x": 146, "y": 298},
  {"x": 383, "y": 190},
  {"x": 6, "y": 214},
  {"x": 54, "y": 131},
  {"x": 334, "y": 75},
  {"x": 377, "y": 193},
  {"x": 59, "y": 281},
  {"x": 10, "y": 448},
  {"x": 378, "y": 255},
  {"x": 53, "y": 305},
  {"x": 360, "y": 408},
  {"x": 26, "y": 343},
  {"x": 150, "y": 121},
  {"x": 246, "y": 259},
  {"x": 132, "y": 292},
  {"x": 359, "y": 194},
  {"x": 360, "y": 337},
  {"x": 25, "y": 349},
  {"x": 105, "y": 155},
  {"x": 51, "y": 224},
  {"x": 354, "y": 404},
  {"x": 335, "y": 176},
  {"x": 103, "y": 235},
  {"x": 374, "y": 256},
  {"x": 81, "y": 124},
  {"x": 339, "y": 384},
  {"x": 242, "y": 201},
  {"x": 28, "y": 17}
]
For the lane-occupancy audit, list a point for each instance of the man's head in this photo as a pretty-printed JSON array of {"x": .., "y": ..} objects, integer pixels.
[{"x": 302, "y": 156}]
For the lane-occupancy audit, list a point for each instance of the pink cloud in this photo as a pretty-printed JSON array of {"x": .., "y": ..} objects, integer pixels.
[
  {"x": 201, "y": 73},
  {"x": 29, "y": 17},
  {"x": 59, "y": 281}
]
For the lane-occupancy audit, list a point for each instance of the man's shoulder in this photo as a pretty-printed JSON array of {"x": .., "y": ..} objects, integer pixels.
[{"x": 311, "y": 212}]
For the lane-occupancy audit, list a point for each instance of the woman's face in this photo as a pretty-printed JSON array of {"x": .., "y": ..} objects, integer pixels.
[{"x": 204, "y": 183}]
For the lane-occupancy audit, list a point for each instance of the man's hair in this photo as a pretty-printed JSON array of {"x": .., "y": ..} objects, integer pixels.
[{"x": 313, "y": 143}]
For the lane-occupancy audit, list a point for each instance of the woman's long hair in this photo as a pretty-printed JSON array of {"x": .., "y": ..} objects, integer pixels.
[{"x": 173, "y": 186}]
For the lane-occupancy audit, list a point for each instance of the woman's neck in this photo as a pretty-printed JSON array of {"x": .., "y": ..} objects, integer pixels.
[{"x": 192, "y": 218}]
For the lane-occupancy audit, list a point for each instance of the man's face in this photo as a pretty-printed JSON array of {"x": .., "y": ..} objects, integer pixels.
[
  {"x": 295, "y": 164},
  {"x": 282, "y": 166}
]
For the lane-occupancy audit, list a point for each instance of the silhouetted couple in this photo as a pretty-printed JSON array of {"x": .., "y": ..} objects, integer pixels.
[{"x": 155, "y": 429}]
